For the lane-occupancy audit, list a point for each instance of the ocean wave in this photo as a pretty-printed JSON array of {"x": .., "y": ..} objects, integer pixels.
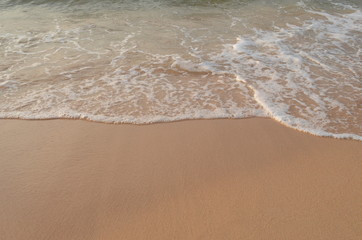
[{"x": 297, "y": 62}]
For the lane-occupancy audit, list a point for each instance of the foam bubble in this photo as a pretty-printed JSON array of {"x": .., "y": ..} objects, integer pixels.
[{"x": 298, "y": 63}]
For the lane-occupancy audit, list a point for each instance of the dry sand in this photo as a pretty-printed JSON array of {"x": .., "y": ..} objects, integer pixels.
[{"x": 204, "y": 179}]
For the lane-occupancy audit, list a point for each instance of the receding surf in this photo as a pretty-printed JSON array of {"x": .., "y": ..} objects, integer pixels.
[{"x": 298, "y": 62}]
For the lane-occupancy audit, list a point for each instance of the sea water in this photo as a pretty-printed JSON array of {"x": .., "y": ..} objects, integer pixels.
[{"x": 126, "y": 61}]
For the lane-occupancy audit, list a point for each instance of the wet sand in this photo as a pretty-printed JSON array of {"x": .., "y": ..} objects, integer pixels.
[{"x": 202, "y": 179}]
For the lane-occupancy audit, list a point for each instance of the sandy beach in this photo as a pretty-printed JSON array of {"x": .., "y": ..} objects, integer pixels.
[
  {"x": 201, "y": 179},
  {"x": 273, "y": 81}
]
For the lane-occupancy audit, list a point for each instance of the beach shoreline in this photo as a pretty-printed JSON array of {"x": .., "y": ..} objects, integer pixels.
[{"x": 197, "y": 179}]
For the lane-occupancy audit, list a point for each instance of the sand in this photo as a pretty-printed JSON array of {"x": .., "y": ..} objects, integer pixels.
[{"x": 202, "y": 179}]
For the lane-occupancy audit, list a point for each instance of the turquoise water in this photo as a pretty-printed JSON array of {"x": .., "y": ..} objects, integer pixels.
[{"x": 298, "y": 62}]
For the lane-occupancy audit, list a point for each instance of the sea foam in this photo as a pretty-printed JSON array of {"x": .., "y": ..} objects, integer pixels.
[{"x": 298, "y": 62}]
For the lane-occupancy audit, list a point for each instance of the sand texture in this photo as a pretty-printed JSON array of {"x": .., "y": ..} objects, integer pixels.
[{"x": 203, "y": 179}]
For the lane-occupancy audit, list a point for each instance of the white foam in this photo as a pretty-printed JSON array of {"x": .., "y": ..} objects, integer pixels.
[{"x": 113, "y": 67}]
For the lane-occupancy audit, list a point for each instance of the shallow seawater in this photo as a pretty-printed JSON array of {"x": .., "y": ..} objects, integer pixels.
[{"x": 299, "y": 62}]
